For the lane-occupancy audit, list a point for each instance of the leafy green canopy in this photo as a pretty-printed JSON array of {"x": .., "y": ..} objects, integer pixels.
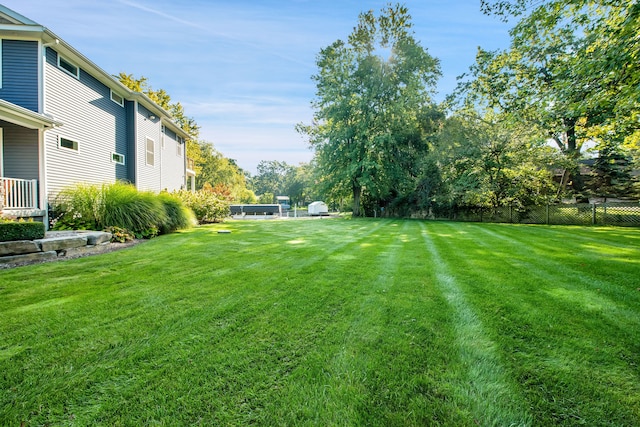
[
  {"x": 277, "y": 178},
  {"x": 490, "y": 161},
  {"x": 373, "y": 109},
  {"x": 211, "y": 167},
  {"x": 572, "y": 71}
]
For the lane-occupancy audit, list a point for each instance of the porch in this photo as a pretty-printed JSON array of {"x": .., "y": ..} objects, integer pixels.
[
  {"x": 22, "y": 161},
  {"x": 19, "y": 198}
]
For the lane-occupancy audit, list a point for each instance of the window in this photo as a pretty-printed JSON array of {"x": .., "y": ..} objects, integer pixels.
[
  {"x": 179, "y": 145},
  {"x": 68, "y": 67},
  {"x": 117, "y": 99},
  {"x": 67, "y": 143},
  {"x": 117, "y": 158},
  {"x": 151, "y": 152}
]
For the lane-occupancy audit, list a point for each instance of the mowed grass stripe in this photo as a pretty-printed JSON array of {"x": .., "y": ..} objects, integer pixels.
[
  {"x": 325, "y": 322},
  {"x": 365, "y": 270},
  {"x": 484, "y": 385},
  {"x": 378, "y": 366},
  {"x": 570, "y": 336},
  {"x": 586, "y": 278}
]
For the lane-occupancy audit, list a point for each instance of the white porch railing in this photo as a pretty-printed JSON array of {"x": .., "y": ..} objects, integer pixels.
[{"x": 19, "y": 193}]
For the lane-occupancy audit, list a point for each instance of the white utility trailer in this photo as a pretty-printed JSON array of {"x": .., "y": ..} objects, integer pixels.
[{"x": 318, "y": 208}]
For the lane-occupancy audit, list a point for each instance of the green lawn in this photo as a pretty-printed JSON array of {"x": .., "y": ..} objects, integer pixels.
[{"x": 330, "y": 322}]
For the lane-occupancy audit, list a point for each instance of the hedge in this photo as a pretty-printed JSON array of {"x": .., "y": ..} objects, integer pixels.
[{"x": 10, "y": 231}]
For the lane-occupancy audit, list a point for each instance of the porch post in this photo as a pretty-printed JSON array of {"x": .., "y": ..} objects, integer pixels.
[{"x": 41, "y": 193}]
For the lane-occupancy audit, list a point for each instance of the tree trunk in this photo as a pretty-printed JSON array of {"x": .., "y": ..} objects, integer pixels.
[
  {"x": 577, "y": 183},
  {"x": 357, "y": 193}
]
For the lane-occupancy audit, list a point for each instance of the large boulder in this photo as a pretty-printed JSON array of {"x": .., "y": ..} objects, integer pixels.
[
  {"x": 61, "y": 243},
  {"x": 18, "y": 247}
]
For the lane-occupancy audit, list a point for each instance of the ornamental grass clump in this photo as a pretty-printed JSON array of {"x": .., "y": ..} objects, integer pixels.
[
  {"x": 177, "y": 217},
  {"x": 141, "y": 213}
]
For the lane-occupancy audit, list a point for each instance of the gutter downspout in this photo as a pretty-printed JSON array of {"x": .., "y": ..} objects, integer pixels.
[{"x": 43, "y": 189}]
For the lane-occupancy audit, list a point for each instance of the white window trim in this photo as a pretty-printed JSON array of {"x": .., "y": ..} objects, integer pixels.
[
  {"x": 113, "y": 154},
  {"x": 60, "y": 138},
  {"x": 146, "y": 152},
  {"x": 179, "y": 147},
  {"x": 121, "y": 102},
  {"x": 77, "y": 75}
]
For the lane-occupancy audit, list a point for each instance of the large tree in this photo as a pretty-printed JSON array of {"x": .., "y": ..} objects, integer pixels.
[
  {"x": 571, "y": 70},
  {"x": 491, "y": 160},
  {"x": 271, "y": 177},
  {"x": 373, "y": 108},
  {"x": 220, "y": 174}
]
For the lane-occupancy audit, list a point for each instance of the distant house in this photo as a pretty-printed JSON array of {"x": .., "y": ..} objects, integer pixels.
[{"x": 64, "y": 120}]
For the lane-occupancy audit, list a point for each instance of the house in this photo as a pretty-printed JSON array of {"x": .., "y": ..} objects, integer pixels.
[{"x": 64, "y": 120}]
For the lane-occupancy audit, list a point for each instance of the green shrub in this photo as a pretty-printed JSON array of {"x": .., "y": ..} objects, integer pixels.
[
  {"x": 206, "y": 206},
  {"x": 138, "y": 211},
  {"x": 20, "y": 230},
  {"x": 178, "y": 216},
  {"x": 120, "y": 235},
  {"x": 76, "y": 208},
  {"x": 142, "y": 213}
]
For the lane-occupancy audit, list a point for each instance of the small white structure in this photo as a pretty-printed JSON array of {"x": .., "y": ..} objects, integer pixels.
[{"x": 318, "y": 208}]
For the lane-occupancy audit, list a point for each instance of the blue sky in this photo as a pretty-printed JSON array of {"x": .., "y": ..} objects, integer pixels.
[{"x": 242, "y": 68}]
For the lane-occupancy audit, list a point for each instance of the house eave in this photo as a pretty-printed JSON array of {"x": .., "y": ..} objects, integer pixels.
[
  {"x": 25, "y": 28},
  {"x": 21, "y": 31},
  {"x": 26, "y": 118},
  {"x": 164, "y": 115},
  {"x": 85, "y": 63},
  {"x": 15, "y": 17}
]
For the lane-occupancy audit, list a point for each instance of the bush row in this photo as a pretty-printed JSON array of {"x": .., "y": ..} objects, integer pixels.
[
  {"x": 206, "y": 205},
  {"x": 20, "y": 230},
  {"x": 143, "y": 213}
]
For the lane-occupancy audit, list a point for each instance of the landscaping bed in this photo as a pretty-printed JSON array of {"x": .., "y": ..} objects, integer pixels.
[{"x": 56, "y": 246}]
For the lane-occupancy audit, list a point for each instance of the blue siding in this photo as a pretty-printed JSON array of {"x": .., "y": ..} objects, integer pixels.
[
  {"x": 168, "y": 171},
  {"x": 90, "y": 118},
  {"x": 131, "y": 142},
  {"x": 20, "y": 73},
  {"x": 20, "y": 151},
  {"x": 173, "y": 165},
  {"x": 149, "y": 177}
]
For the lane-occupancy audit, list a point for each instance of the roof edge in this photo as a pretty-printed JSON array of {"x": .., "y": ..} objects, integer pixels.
[{"x": 24, "y": 117}]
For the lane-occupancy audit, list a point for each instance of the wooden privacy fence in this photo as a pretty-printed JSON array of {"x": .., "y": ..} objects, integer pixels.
[{"x": 618, "y": 214}]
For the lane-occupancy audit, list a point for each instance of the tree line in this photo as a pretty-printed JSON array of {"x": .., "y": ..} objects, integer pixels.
[
  {"x": 512, "y": 133},
  {"x": 554, "y": 116},
  {"x": 221, "y": 175}
]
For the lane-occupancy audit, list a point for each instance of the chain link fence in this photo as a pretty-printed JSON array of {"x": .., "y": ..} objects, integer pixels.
[{"x": 617, "y": 214}]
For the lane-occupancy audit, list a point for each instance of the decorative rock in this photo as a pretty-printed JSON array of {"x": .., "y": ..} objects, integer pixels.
[
  {"x": 98, "y": 237},
  {"x": 37, "y": 256},
  {"x": 60, "y": 243},
  {"x": 18, "y": 247},
  {"x": 89, "y": 249}
]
